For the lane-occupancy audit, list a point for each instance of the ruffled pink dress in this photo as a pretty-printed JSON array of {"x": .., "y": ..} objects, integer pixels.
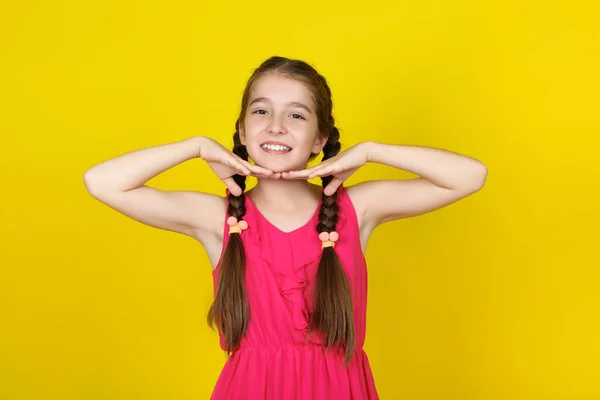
[{"x": 274, "y": 361}]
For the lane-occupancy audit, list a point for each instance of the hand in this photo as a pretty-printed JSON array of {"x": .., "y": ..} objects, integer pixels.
[
  {"x": 341, "y": 167},
  {"x": 226, "y": 164}
]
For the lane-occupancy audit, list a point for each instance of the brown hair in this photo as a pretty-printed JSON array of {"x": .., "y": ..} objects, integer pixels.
[{"x": 333, "y": 313}]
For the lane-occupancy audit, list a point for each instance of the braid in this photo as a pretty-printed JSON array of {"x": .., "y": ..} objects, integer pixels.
[
  {"x": 329, "y": 208},
  {"x": 237, "y": 205},
  {"x": 333, "y": 312},
  {"x": 230, "y": 309},
  {"x": 328, "y": 213}
]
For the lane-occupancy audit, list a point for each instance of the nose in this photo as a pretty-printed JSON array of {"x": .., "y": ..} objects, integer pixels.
[{"x": 276, "y": 126}]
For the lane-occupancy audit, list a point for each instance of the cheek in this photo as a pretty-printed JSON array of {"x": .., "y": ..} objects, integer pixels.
[
  {"x": 253, "y": 130},
  {"x": 305, "y": 131}
]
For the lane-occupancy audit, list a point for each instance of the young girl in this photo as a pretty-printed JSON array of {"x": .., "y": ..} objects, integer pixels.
[{"x": 289, "y": 273}]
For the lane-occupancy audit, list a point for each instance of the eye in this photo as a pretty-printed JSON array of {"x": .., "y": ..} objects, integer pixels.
[
  {"x": 301, "y": 117},
  {"x": 258, "y": 111}
]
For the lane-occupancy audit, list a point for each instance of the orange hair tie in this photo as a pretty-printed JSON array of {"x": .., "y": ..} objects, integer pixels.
[
  {"x": 328, "y": 239},
  {"x": 236, "y": 226}
]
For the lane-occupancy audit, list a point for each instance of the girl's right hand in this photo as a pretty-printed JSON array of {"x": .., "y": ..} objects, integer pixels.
[{"x": 226, "y": 164}]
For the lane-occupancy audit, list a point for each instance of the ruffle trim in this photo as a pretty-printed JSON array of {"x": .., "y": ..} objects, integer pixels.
[{"x": 292, "y": 282}]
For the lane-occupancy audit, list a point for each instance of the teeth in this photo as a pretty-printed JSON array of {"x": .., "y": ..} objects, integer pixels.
[{"x": 275, "y": 147}]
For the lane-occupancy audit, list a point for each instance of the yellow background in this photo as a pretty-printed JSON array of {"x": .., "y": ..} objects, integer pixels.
[{"x": 494, "y": 297}]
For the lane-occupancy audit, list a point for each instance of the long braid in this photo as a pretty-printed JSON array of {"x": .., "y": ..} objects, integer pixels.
[
  {"x": 333, "y": 302},
  {"x": 329, "y": 208},
  {"x": 231, "y": 310},
  {"x": 237, "y": 204}
]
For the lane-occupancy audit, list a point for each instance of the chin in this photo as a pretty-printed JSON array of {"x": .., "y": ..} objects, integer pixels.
[
  {"x": 278, "y": 166},
  {"x": 278, "y": 163}
]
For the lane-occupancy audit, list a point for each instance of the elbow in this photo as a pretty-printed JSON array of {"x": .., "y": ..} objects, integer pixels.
[
  {"x": 92, "y": 183},
  {"x": 89, "y": 182},
  {"x": 473, "y": 180},
  {"x": 479, "y": 177}
]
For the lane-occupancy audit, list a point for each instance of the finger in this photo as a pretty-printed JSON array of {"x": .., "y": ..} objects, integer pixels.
[
  {"x": 274, "y": 175},
  {"x": 288, "y": 175},
  {"x": 257, "y": 169},
  {"x": 252, "y": 167},
  {"x": 332, "y": 187},
  {"x": 240, "y": 167},
  {"x": 295, "y": 174},
  {"x": 323, "y": 171},
  {"x": 270, "y": 176},
  {"x": 304, "y": 173},
  {"x": 232, "y": 186},
  {"x": 236, "y": 164}
]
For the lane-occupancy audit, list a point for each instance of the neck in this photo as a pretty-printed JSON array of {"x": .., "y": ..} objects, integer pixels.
[{"x": 285, "y": 192}]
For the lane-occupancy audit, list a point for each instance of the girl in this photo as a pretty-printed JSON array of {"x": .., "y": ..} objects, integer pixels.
[{"x": 290, "y": 278}]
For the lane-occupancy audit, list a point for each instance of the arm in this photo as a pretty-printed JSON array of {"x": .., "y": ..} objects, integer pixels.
[
  {"x": 120, "y": 184},
  {"x": 444, "y": 178}
]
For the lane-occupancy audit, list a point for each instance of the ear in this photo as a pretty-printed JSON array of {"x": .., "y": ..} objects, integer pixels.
[
  {"x": 320, "y": 142},
  {"x": 242, "y": 133}
]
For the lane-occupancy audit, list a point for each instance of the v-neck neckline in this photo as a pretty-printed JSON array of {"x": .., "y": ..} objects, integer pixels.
[{"x": 303, "y": 226}]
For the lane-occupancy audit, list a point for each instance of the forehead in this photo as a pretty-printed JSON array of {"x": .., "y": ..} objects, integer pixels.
[{"x": 281, "y": 89}]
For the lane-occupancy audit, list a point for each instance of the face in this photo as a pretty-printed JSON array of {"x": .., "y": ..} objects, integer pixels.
[{"x": 280, "y": 127}]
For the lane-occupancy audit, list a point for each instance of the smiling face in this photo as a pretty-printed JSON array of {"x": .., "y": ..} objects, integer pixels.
[{"x": 280, "y": 126}]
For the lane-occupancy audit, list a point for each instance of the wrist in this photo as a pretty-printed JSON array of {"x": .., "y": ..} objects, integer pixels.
[
  {"x": 195, "y": 144},
  {"x": 370, "y": 150}
]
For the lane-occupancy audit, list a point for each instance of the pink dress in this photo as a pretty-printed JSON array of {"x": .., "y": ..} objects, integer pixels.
[{"x": 274, "y": 362}]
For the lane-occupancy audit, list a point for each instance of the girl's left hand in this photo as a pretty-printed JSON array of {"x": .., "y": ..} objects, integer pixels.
[{"x": 340, "y": 167}]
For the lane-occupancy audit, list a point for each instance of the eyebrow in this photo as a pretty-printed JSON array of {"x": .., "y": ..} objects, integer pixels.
[{"x": 291, "y": 103}]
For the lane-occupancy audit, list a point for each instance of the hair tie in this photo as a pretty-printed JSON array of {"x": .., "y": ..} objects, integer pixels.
[
  {"x": 328, "y": 239},
  {"x": 236, "y": 226}
]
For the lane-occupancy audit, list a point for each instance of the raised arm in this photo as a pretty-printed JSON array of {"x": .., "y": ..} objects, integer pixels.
[
  {"x": 120, "y": 184},
  {"x": 444, "y": 178}
]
